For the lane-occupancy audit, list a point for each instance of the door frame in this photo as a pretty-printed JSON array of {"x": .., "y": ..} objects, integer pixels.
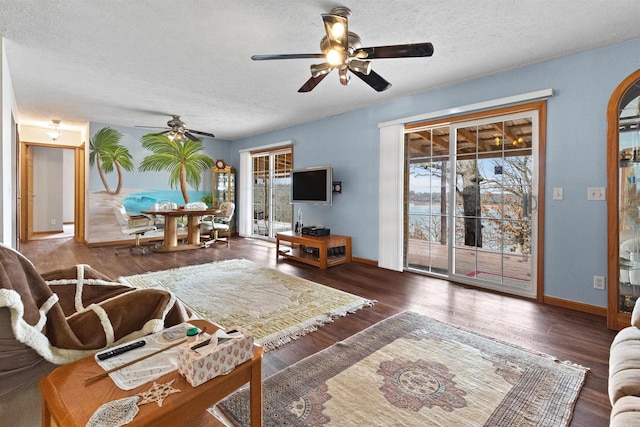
[
  {"x": 269, "y": 187},
  {"x": 25, "y": 172},
  {"x": 541, "y": 107}
]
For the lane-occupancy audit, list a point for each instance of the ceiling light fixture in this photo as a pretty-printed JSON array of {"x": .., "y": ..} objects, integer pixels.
[
  {"x": 360, "y": 66},
  {"x": 176, "y": 135},
  {"x": 344, "y": 76},
  {"x": 337, "y": 30},
  {"x": 54, "y": 130},
  {"x": 334, "y": 57},
  {"x": 320, "y": 69}
]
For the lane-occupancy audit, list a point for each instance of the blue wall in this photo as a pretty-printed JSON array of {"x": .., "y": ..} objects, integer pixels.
[{"x": 575, "y": 229}]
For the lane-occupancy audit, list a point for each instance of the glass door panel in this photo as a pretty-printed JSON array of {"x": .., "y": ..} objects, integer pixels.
[
  {"x": 282, "y": 210},
  {"x": 260, "y": 195},
  {"x": 272, "y": 211},
  {"x": 429, "y": 168},
  {"x": 494, "y": 203}
]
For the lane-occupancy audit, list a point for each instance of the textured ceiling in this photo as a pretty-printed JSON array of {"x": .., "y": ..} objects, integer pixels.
[{"x": 132, "y": 63}]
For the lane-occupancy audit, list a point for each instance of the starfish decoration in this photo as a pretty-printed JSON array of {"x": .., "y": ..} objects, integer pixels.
[{"x": 157, "y": 393}]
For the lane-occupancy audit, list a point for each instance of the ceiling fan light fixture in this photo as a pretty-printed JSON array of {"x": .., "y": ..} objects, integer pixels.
[
  {"x": 360, "y": 66},
  {"x": 344, "y": 76},
  {"x": 334, "y": 57},
  {"x": 337, "y": 30},
  {"x": 320, "y": 69},
  {"x": 176, "y": 135}
]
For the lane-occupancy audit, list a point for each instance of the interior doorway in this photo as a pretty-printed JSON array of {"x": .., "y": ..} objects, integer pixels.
[{"x": 51, "y": 191}]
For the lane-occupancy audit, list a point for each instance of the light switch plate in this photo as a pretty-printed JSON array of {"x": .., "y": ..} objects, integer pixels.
[{"x": 558, "y": 193}]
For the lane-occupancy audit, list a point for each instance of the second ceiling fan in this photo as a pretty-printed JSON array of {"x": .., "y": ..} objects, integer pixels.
[
  {"x": 343, "y": 51},
  {"x": 176, "y": 129}
]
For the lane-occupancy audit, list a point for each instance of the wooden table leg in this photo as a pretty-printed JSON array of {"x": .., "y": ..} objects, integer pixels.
[
  {"x": 348, "y": 250},
  {"x": 322, "y": 256},
  {"x": 193, "y": 229},
  {"x": 170, "y": 231},
  {"x": 46, "y": 415},
  {"x": 255, "y": 394}
]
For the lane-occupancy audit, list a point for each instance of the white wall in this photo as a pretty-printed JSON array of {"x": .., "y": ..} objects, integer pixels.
[
  {"x": 8, "y": 117},
  {"x": 47, "y": 189}
]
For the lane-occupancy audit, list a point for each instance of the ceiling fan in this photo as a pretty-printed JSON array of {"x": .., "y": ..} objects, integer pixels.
[
  {"x": 177, "y": 130},
  {"x": 343, "y": 51}
]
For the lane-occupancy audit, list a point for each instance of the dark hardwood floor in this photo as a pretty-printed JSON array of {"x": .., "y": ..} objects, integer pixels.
[{"x": 566, "y": 334}]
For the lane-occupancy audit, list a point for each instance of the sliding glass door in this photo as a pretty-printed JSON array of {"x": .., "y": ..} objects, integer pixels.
[
  {"x": 272, "y": 211},
  {"x": 472, "y": 193}
]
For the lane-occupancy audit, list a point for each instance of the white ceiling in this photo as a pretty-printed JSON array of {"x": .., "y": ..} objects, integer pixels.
[{"x": 137, "y": 62}]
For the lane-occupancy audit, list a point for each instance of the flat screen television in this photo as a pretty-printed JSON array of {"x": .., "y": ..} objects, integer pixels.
[{"x": 312, "y": 185}]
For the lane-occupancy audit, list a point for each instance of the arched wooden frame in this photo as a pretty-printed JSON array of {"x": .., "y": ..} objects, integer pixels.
[{"x": 615, "y": 319}]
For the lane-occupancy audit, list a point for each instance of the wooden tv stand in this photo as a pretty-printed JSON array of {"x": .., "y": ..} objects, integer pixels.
[{"x": 322, "y": 244}]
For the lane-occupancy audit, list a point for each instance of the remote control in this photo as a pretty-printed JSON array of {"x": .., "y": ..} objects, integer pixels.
[{"x": 120, "y": 350}]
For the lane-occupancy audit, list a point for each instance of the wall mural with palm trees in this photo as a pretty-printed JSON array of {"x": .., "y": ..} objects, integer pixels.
[
  {"x": 183, "y": 160},
  {"x": 167, "y": 170},
  {"x": 106, "y": 152}
]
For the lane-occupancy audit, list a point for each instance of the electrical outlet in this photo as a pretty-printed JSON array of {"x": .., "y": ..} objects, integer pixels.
[
  {"x": 598, "y": 282},
  {"x": 596, "y": 193},
  {"x": 53, "y": 222}
]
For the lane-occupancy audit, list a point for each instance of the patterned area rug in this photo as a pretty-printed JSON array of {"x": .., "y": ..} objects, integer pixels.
[
  {"x": 276, "y": 307},
  {"x": 410, "y": 370}
]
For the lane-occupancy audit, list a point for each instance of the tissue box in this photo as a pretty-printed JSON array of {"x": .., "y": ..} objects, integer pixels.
[{"x": 211, "y": 361}]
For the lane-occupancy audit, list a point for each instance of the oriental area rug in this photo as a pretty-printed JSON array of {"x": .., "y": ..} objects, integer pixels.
[
  {"x": 275, "y": 307},
  {"x": 410, "y": 370}
]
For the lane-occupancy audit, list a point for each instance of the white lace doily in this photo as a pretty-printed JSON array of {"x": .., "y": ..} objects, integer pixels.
[{"x": 115, "y": 413}]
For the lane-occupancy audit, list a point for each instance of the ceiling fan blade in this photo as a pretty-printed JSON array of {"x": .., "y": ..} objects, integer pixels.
[
  {"x": 191, "y": 137},
  {"x": 210, "y": 135},
  {"x": 374, "y": 80},
  {"x": 161, "y": 133},
  {"x": 287, "y": 56},
  {"x": 337, "y": 30},
  {"x": 396, "y": 51},
  {"x": 312, "y": 82}
]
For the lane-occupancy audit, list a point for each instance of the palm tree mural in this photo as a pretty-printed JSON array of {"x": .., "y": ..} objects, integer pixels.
[
  {"x": 183, "y": 160},
  {"x": 107, "y": 153}
]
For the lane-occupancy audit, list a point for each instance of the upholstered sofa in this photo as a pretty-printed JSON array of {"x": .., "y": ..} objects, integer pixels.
[
  {"x": 58, "y": 317},
  {"x": 624, "y": 374}
]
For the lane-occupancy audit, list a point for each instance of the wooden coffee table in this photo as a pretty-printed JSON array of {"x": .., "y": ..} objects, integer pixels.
[{"x": 68, "y": 400}]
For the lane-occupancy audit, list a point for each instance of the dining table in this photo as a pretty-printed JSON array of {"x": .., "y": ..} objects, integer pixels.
[{"x": 170, "y": 241}]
